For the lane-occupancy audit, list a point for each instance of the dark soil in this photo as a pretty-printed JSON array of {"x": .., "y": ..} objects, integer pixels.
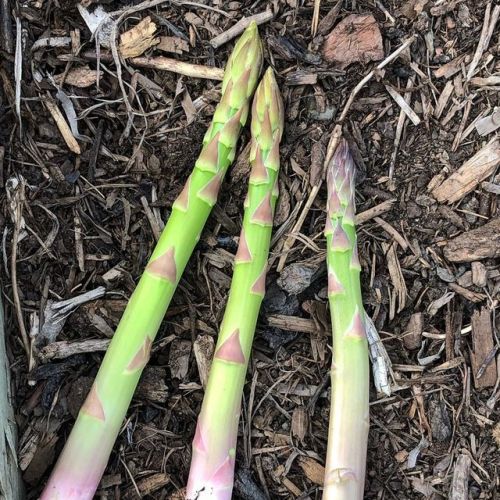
[{"x": 84, "y": 225}]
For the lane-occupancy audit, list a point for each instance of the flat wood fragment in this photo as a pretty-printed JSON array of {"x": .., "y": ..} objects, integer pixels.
[
  {"x": 470, "y": 174},
  {"x": 444, "y": 98},
  {"x": 401, "y": 102},
  {"x": 138, "y": 39},
  {"x": 63, "y": 126},
  {"x": 489, "y": 123},
  {"x": 451, "y": 68},
  {"x": 467, "y": 294},
  {"x": 203, "y": 348},
  {"x": 484, "y": 368},
  {"x": 491, "y": 187},
  {"x": 64, "y": 348},
  {"x": 477, "y": 244},
  {"x": 397, "y": 278},
  {"x": 292, "y": 323},
  {"x": 479, "y": 274},
  {"x": 356, "y": 38},
  {"x": 412, "y": 336},
  {"x": 180, "y": 351},
  {"x": 459, "y": 489},
  {"x": 313, "y": 470}
]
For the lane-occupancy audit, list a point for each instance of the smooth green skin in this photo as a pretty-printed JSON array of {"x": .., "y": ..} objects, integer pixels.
[
  {"x": 349, "y": 410},
  {"x": 214, "y": 446},
  {"x": 86, "y": 453}
]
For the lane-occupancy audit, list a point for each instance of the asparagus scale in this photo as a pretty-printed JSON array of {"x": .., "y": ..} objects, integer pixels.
[
  {"x": 214, "y": 446},
  {"x": 349, "y": 419},
  {"x": 85, "y": 455}
]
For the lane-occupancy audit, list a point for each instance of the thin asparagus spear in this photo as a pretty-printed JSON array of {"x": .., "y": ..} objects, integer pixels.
[
  {"x": 85, "y": 455},
  {"x": 348, "y": 429},
  {"x": 214, "y": 445}
]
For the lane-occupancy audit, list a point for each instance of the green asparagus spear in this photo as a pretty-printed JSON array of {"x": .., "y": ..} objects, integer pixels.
[
  {"x": 214, "y": 445},
  {"x": 348, "y": 429}
]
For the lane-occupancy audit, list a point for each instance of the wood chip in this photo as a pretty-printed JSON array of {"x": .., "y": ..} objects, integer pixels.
[
  {"x": 147, "y": 485},
  {"x": 480, "y": 243},
  {"x": 65, "y": 348},
  {"x": 180, "y": 351},
  {"x": 479, "y": 274},
  {"x": 470, "y": 174},
  {"x": 313, "y": 470},
  {"x": 63, "y": 126},
  {"x": 300, "y": 423},
  {"x": 412, "y": 335},
  {"x": 81, "y": 77},
  {"x": 301, "y": 77},
  {"x": 152, "y": 385},
  {"x": 203, "y": 348},
  {"x": 356, "y": 38},
  {"x": 444, "y": 98},
  {"x": 137, "y": 40},
  {"x": 449, "y": 69},
  {"x": 173, "y": 44},
  {"x": 484, "y": 368},
  {"x": 468, "y": 294},
  {"x": 401, "y": 102},
  {"x": 292, "y": 323},
  {"x": 489, "y": 123},
  {"x": 459, "y": 489},
  {"x": 398, "y": 281}
]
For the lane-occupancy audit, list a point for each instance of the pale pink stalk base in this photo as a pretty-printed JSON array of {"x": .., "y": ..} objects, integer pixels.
[{"x": 78, "y": 483}]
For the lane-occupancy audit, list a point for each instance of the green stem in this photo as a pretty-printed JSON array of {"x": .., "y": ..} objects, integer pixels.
[
  {"x": 214, "y": 445},
  {"x": 349, "y": 420},
  {"x": 85, "y": 455}
]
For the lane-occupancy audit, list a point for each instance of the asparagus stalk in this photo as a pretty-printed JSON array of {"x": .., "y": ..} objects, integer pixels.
[
  {"x": 85, "y": 455},
  {"x": 214, "y": 444},
  {"x": 349, "y": 421}
]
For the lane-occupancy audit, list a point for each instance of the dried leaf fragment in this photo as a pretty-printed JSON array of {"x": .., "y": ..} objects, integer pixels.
[
  {"x": 138, "y": 39},
  {"x": 356, "y": 38}
]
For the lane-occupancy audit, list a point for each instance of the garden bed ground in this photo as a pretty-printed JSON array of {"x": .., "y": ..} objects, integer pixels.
[{"x": 89, "y": 220}]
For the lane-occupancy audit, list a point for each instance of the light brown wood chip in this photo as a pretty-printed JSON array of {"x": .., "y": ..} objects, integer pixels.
[
  {"x": 480, "y": 243},
  {"x": 470, "y": 174},
  {"x": 484, "y": 367}
]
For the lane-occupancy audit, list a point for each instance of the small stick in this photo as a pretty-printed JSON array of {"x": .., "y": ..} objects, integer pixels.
[
  {"x": 315, "y": 18},
  {"x": 165, "y": 64},
  {"x": 239, "y": 27},
  {"x": 7, "y": 41},
  {"x": 399, "y": 129},
  {"x": 332, "y": 146},
  {"x": 63, "y": 126},
  {"x": 403, "y": 104},
  {"x": 481, "y": 46},
  {"x": 373, "y": 212}
]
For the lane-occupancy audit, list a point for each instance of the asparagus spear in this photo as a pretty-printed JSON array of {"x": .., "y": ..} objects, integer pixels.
[
  {"x": 214, "y": 445},
  {"x": 85, "y": 455},
  {"x": 348, "y": 428}
]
